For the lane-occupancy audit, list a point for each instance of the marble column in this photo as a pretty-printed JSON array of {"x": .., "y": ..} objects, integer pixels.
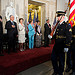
[
  {"x": 26, "y": 11},
  {"x": 43, "y": 18},
  {"x": 52, "y": 11},
  {"x": 60, "y": 5},
  {"x": 0, "y": 7}
]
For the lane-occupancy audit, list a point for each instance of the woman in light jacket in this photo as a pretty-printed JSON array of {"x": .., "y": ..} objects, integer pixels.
[
  {"x": 21, "y": 36},
  {"x": 31, "y": 34}
]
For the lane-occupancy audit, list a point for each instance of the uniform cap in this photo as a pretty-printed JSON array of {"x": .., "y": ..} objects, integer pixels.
[{"x": 59, "y": 13}]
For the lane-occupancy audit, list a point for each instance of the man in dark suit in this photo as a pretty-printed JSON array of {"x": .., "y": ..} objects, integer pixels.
[
  {"x": 47, "y": 28},
  {"x": 1, "y": 35},
  {"x": 12, "y": 33}
]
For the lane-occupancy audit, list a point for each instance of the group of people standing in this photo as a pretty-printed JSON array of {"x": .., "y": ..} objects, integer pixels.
[{"x": 15, "y": 31}]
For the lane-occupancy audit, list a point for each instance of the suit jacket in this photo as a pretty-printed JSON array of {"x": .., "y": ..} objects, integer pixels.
[
  {"x": 1, "y": 28},
  {"x": 47, "y": 29},
  {"x": 12, "y": 32},
  {"x": 1, "y": 31},
  {"x": 73, "y": 37}
]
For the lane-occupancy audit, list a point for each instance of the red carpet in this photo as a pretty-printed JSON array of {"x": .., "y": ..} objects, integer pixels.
[{"x": 16, "y": 62}]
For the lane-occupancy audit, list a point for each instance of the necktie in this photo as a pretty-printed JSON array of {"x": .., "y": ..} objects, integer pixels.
[
  {"x": 12, "y": 23},
  {"x": 48, "y": 25}
]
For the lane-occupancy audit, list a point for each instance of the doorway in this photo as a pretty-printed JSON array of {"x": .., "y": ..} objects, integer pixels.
[{"x": 40, "y": 8}]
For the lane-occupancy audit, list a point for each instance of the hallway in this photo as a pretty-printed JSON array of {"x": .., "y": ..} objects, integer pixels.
[{"x": 42, "y": 69}]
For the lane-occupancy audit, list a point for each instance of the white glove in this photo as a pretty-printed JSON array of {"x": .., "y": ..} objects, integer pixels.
[
  {"x": 66, "y": 49},
  {"x": 49, "y": 36}
]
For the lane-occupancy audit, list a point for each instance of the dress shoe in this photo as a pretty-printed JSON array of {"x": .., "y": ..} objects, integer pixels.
[
  {"x": 44, "y": 46},
  {"x": 1, "y": 55},
  {"x": 48, "y": 46},
  {"x": 8, "y": 52},
  {"x": 15, "y": 51},
  {"x": 21, "y": 50},
  {"x": 68, "y": 69}
]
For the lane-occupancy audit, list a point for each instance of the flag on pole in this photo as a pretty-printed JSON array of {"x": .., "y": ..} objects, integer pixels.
[
  {"x": 37, "y": 17},
  {"x": 54, "y": 23},
  {"x": 34, "y": 20},
  {"x": 30, "y": 18},
  {"x": 72, "y": 13},
  {"x": 68, "y": 6},
  {"x": 69, "y": 3}
]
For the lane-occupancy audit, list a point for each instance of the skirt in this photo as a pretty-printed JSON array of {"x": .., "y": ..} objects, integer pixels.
[
  {"x": 21, "y": 38},
  {"x": 38, "y": 41}
]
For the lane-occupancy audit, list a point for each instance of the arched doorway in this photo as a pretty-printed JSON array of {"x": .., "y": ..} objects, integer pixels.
[{"x": 41, "y": 14}]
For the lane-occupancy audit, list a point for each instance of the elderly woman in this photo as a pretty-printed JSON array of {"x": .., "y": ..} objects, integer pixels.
[
  {"x": 31, "y": 34},
  {"x": 21, "y": 36}
]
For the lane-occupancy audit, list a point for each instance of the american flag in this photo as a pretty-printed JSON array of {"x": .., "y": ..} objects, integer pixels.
[
  {"x": 54, "y": 23},
  {"x": 72, "y": 13}
]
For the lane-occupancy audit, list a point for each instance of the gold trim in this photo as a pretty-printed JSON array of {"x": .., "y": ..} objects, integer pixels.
[
  {"x": 67, "y": 45},
  {"x": 60, "y": 37}
]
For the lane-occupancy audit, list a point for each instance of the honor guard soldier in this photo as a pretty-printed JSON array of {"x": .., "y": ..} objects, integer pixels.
[
  {"x": 69, "y": 61},
  {"x": 73, "y": 50},
  {"x": 63, "y": 36}
]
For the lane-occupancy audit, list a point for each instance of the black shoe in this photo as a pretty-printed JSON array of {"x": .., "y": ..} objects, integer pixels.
[
  {"x": 44, "y": 46},
  {"x": 59, "y": 74},
  {"x": 54, "y": 73},
  {"x": 48, "y": 46},
  {"x": 8, "y": 52},
  {"x": 1, "y": 55},
  {"x": 15, "y": 51},
  {"x": 71, "y": 73},
  {"x": 68, "y": 69}
]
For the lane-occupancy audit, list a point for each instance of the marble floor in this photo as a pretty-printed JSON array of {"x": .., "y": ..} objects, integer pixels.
[{"x": 42, "y": 69}]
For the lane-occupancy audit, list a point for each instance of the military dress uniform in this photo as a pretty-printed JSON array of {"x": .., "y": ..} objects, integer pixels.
[
  {"x": 69, "y": 61},
  {"x": 73, "y": 50},
  {"x": 62, "y": 40}
]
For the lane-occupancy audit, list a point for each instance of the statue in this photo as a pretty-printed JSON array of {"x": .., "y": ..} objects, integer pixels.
[{"x": 10, "y": 10}]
